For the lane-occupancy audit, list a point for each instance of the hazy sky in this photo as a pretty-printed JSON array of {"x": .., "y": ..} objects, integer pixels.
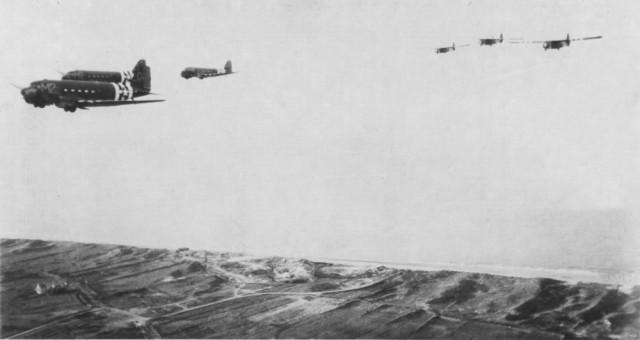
[{"x": 343, "y": 134}]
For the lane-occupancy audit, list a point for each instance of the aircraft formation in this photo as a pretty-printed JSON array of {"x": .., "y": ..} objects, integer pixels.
[
  {"x": 546, "y": 44},
  {"x": 81, "y": 89}
]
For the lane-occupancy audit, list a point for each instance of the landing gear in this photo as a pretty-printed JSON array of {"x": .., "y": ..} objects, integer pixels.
[{"x": 69, "y": 109}]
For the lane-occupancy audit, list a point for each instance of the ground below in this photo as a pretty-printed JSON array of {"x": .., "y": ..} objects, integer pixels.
[{"x": 112, "y": 291}]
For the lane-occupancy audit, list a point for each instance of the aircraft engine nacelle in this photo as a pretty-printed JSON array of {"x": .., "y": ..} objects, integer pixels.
[{"x": 39, "y": 94}]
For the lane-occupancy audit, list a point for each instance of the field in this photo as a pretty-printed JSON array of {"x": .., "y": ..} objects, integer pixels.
[{"x": 112, "y": 291}]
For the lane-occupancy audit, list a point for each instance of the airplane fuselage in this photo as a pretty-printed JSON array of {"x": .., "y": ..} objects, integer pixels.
[
  {"x": 489, "y": 42},
  {"x": 109, "y": 77},
  {"x": 555, "y": 44},
  {"x": 67, "y": 93},
  {"x": 445, "y": 49},
  {"x": 201, "y": 73}
]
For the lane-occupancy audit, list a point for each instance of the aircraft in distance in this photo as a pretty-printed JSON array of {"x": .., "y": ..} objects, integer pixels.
[
  {"x": 448, "y": 49},
  {"x": 558, "y": 44},
  {"x": 491, "y": 41},
  {"x": 76, "y": 94},
  {"x": 106, "y": 76},
  {"x": 202, "y": 73}
]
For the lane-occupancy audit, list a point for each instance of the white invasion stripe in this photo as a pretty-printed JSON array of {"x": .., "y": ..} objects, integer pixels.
[
  {"x": 129, "y": 91},
  {"x": 116, "y": 90}
]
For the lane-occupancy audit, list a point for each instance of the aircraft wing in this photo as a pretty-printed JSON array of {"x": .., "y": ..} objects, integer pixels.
[
  {"x": 588, "y": 38},
  {"x": 532, "y": 42},
  {"x": 84, "y": 104},
  {"x": 544, "y": 41},
  {"x": 221, "y": 74}
]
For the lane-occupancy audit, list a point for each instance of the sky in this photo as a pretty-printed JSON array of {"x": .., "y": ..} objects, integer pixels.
[{"x": 343, "y": 135}]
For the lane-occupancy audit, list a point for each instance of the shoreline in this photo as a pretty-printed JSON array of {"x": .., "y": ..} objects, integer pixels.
[{"x": 569, "y": 275}]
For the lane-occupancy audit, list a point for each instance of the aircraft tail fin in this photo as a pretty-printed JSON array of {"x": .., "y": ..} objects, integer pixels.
[
  {"x": 227, "y": 67},
  {"x": 141, "y": 77}
]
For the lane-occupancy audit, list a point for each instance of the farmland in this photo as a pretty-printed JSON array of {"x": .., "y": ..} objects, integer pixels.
[{"x": 116, "y": 291}]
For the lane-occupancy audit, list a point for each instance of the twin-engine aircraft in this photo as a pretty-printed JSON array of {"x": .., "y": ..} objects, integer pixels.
[
  {"x": 448, "y": 49},
  {"x": 555, "y": 44},
  {"x": 202, "y": 73},
  {"x": 491, "y": 41},
  {"x": 80, "y": 94},
  {"x": 558, "y": 44}
]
